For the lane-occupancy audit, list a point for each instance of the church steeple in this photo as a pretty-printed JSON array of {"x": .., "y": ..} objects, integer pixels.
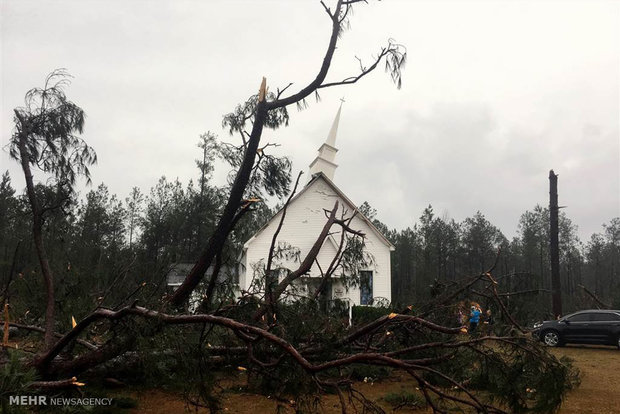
[{"x": 324, "y": 161}]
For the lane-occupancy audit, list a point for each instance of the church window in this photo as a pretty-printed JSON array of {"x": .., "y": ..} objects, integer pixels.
[{"x": 366, "y": 287}]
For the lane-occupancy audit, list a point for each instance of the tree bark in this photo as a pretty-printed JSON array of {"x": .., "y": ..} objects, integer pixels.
[{"x": 554, "y": 245}]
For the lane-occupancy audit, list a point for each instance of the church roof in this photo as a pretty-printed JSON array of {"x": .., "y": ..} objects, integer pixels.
[{"x": 321, "y": 176}]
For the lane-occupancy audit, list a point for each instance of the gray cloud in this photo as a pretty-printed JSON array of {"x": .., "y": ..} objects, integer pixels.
[{"x": 494, "y": 95}]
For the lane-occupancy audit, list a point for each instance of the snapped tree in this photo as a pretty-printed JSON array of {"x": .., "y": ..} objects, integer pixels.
[{"x": 554, "y": 245}]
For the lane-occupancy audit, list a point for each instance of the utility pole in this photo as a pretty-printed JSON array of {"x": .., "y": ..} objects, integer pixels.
[{"x": 554, "y": 245}]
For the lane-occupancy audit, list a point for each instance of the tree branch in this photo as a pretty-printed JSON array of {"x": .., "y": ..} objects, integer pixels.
[
  {"x": 305, "y": 266},
  {"x": 320, "y": 77},
  {"x": 596, "y": 299},
  {"x": 55, "y": 385}
]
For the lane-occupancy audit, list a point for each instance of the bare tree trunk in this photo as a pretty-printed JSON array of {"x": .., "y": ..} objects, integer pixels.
[
  {"x": 37, "y": 226},
  {"x": 597, "y": 276},
  {"x": 130, "y": 231},
  {"x": 554, "y": 245}
]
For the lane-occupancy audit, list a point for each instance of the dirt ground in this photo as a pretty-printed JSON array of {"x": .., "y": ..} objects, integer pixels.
[{"x": 599, "y": 392}]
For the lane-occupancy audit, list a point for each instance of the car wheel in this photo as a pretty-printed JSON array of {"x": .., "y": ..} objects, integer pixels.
[
  {"x": 618, "y": 342},
  {"x": 551, "y": 338}
]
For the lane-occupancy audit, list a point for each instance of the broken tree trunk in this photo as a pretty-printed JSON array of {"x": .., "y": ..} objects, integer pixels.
[{"x": 554, "y": 245}]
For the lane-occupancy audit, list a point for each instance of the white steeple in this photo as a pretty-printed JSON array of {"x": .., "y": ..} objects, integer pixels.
[{"x": 324, "y": 161}]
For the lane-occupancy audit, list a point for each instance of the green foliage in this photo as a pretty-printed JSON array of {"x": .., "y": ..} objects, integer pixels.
[
  {"x": 355, "y": 258},
  {"x": 243, "y": 114},
  {"x": 366, "y": 314},
  {"x": 271, "y": 175},
  {"x": 14, "y": 376},
  {"x": 14, "y": 379},
  {"x": 306, "y": 318},
  {"x": 178, "y": 359},
  {"x": 371, "y": 214},
  {"x": 208, "y": 145},
  {"x": 480, "y": 241},
  {"x": 405, "y": 399},
  {"x": 522, "y": 380}
]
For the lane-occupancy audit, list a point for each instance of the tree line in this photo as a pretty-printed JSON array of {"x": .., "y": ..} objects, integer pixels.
[
  {"x": 437, "y": 251},
  {"x": 101, "y": 245}
]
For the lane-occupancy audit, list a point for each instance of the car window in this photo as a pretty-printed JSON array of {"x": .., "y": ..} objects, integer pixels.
[
  {"x": 582, "y": 317},
  {"x": 606, "y": 317}
]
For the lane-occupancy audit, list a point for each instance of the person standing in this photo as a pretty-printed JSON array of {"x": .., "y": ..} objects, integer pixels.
[
  {"x": 488, "y": 322},
  {"x": 474, "y": 318}
]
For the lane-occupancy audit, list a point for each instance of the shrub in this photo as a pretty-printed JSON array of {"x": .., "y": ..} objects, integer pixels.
[{"x": 365, "y": 314}]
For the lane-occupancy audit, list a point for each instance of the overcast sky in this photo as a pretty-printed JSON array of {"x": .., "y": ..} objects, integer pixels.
[{"x": 495, "y": 93}]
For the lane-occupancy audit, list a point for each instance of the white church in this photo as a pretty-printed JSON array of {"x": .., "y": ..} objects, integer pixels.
[{"x": 305, "y": 218}]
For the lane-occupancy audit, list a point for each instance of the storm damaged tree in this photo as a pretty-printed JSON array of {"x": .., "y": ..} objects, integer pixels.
[
  {"x": 46, "y": 138},
  {"x": 554, "y": 245}
]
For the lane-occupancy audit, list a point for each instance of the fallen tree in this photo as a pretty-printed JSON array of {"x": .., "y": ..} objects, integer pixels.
[{"x": 448, "y": 365}]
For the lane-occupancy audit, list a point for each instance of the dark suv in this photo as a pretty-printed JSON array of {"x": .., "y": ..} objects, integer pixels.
[{"x": 583, "y": 327}]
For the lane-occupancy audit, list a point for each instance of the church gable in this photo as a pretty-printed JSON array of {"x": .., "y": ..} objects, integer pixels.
[{"x": 310, "y": 203}]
